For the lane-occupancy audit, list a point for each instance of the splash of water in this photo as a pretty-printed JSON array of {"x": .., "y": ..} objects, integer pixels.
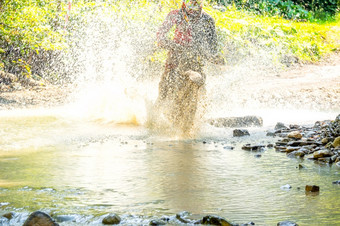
[{"x": 111, "y": 84}]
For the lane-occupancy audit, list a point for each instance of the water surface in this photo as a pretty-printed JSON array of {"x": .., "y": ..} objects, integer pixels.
[{"x": 85, "y": 169}]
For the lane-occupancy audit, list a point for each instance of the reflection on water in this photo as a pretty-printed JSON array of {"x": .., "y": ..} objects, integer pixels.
[{"x": 73, "y": 167}]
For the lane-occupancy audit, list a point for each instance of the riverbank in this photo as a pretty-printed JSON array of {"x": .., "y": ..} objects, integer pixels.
[{"x": 314, "y": 86}]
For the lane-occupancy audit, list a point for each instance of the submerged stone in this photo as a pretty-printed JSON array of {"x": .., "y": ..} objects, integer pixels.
[
  {"x": 9, "y": 215},
  {"x": 287, "y": 223},
  {"x": 41, "y": 219},
  {"x": 157, "y": 222},
  {"x": 312, "y": 188},
  {"x": 336, "y": 182}
]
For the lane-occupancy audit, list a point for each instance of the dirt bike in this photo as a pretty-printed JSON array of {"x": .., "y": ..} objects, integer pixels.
[{"x": 182, "y": 88}]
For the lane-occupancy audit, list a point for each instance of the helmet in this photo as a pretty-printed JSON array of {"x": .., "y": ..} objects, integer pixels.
[{"x": 192, "y": 6}]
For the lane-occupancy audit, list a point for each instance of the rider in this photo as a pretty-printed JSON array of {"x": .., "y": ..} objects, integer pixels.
[{"x": 194, "y": 42}]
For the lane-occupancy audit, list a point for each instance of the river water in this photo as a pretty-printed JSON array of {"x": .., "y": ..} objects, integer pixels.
[{"x": 79, "y": 170}]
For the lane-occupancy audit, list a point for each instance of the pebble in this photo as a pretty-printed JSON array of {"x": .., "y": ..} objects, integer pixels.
[{"x": 320, "y": 142}]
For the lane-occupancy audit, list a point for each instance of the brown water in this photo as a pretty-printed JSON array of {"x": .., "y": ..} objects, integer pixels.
[{"x": 84, "y": 169}]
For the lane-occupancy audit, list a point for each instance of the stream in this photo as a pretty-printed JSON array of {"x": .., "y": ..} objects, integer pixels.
[{"x": 78, "y": 171}]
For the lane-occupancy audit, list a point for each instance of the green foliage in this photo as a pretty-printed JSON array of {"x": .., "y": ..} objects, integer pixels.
[
  {"x": 291, "y": 9},
  {"x": 27, "y": 27},
  {"x": 31, "y": 31},
  {"x": 244, "y": 33}
]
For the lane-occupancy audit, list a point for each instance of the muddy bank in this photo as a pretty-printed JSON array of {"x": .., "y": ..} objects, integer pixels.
[{"x": 309, "y": 86}]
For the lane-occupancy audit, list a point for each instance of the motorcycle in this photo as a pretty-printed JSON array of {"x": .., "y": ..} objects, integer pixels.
[{"x": 182, "y": 89}]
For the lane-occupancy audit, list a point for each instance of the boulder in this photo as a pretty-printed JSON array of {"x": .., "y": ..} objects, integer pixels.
[
  {"x": 245, "y": 121},
  {"x": 215, "y": 220},
  {"x": 111, "y": 219},
  {"x": 41, "y": 219}
]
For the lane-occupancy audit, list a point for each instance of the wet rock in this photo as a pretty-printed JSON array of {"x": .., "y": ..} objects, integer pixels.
[
  {"x": 247, "y": 224},
  {"x": 281, "y": 143},
  {"x": 240, "y": 133},
  {"x": 215, "y": 220},
  {"x": 292, "y": 149},
  {"x": 303, "y": 143},
  {"x": 298, "y": 153},
  {"x": 336, "y": 142},
  {"x": 280, "y": 126},
  {"x": 295, "y": 135},
  {"x": 325, "y": 160},
  {"x": 300, "y": 167},
  {"x": 157, "y": 222},
  {"x": 245, "y": 121},
  {"x": 228, "y": 147},
  {"x": 310, "y": 134},
  {"x": 249, "y": 147},
  {"x": 258, "y": 156},
  {"x": 9, "y": 215},
  {"x": 270, "y": 145},
  {"x": 287, "y": 223},
  {"x": 325, "y": 140},
  {"x": 312, "y": 188},
  {"x": 111, "y": 219},
  {"x": 333, "y": 158},
  {"x": 181, "y": 217},
  {"x": 336, "y": 182},
  {"x": 41, "y": 219},
  {"x": 322, "y": 153},
  {"x": 270, "y": 134},
  {"x": 280, "y": 148}
]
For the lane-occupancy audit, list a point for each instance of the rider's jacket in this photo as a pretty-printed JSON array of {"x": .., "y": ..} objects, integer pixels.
[{"x": 197, "y": 33}]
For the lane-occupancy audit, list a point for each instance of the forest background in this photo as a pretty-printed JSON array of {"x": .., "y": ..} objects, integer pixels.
[{"x": 37, "y": 36}]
